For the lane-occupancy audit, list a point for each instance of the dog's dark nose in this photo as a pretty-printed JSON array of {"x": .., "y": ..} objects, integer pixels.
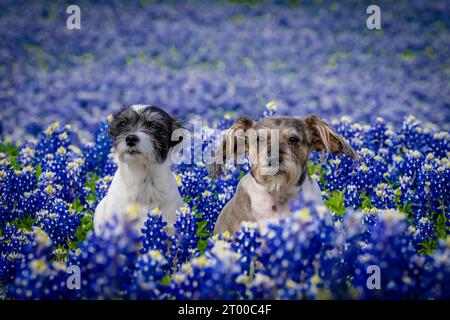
[{"x": 132, "y": 140}]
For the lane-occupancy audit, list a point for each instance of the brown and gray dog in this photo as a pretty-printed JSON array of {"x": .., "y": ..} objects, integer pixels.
[{"x": 262, "y": 196}]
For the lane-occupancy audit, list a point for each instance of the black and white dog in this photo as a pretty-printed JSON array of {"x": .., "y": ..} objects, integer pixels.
[{"x": 142, "y": 137}]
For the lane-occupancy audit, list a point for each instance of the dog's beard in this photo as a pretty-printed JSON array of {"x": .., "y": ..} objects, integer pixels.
[
  {"x": 283, "y": 175},
  {"x": 141, "y": 154}
]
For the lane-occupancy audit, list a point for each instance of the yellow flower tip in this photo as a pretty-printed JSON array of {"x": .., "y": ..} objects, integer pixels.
[
  {"x": 39, "y": 265},
  {"x": 63, "y": 136},
  {"x": 55, "y": 126},
  {"x": 75, "y": 149},
  {"x": 345, "y": 119},
  {"x": 49, "y": 190},
  {"x": 336, "y": 161},
  {"x": 28, "y": 169},
  {"x": 185, "y": 209},
  {"x": 48, "y": 131},
  {"x": 110, "y": 118},
  {"x": 61, "y": 150},
  {"x": 406, "y": 280},
  {"x": 187, "y": 267},
  {"x": 41, "y": 236},
  {"x": 364, "y": 168},
  {"x": 155, "y": 254},
  {"x": 201, "y": 261},
  {"x": 315, "y": 279},
  {"x": 416, "y": 154},
  {"x": 411, "y": 118},
  {"x": 72, "y": 165},
  {"x": 228, "y": 115},
  {"x": 291, "y": 284},
  {"x": 132, "y": 211},
  {"x": 271, "y": 105},
  {"x": 49, "y": 175},
  {"x": 447, "y": 242},
  {"x": 156, "y": 211},
  {"x": 178, "y": 179},
  {"x": 206, "y": 193},
  {"x": 225, "y": 235},
  {"x": 304, "y": 214}
]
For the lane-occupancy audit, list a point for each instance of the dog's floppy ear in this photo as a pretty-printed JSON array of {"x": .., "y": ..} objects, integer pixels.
[
  {"x": 232, "y": 145},
  {"x": 325, "y": 139}
]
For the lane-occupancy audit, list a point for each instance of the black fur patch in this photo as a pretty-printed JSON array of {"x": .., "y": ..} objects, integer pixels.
[{"x": 153, "y": 121}]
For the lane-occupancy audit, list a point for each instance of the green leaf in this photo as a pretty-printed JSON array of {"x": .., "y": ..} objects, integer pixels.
[
  {"x": 201, "y": 225},
  {"x": 428, "y": 246},
  {"x": 201, "y": 245},
  {"x": 165, "y": 281},
  {"x": 38, "y": 170},
  {"x": 335, "y": 202},
  {"x": 26, "y": 223},
  {"x": 13, "y": 153},
  {"x": 366, "y": 203},
  {"x": 441, "y": 226}
]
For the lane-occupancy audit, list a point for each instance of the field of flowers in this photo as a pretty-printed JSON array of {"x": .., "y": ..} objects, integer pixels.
[{"x": 386, "y": 91}]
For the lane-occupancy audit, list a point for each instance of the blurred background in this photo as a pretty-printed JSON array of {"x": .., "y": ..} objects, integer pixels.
[{"x": 209, "y": 58}]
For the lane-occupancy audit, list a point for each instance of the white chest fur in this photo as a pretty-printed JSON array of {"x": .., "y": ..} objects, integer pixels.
[
  {"x": 268, "y": 208},
  {"x": 149, "y": 188}
]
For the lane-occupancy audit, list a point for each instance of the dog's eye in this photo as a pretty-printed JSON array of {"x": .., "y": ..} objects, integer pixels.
[
  {"x": 293, "y": 140},
  {"x": 122, "y": 124}
]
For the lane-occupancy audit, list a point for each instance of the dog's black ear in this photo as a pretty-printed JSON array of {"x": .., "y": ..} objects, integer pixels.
[
  {"x": 323, "y": 138},
  {"x": 232, "y": 145}
]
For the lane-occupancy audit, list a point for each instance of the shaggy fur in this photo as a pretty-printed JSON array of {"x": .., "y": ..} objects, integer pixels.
[
  {"x": 142, "y": 137},
  {"x": 278, "y": 149}
]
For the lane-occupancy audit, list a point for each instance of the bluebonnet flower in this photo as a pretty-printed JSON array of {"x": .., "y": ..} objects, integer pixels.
[
  {"x": 60, "y": 222},
  {"x": 246, "y": 243},
  {"x": 53, "y": 182},
  {"x": 154, "y": 235},
  {"x": 39, "y": 277},
  {"x": 184, "y": 241},
  {"x": 291, "y": 253},
  {"x": 148, "y": 276},
  {"x": 107, "y": 262},
  {"x": 96, "y": 154},
  {"x": 390, "y": 247},
  {"x": 440, "y": 268},
  {"x": 12, "y": 242},
  {"x": 214, "y": 275}
]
